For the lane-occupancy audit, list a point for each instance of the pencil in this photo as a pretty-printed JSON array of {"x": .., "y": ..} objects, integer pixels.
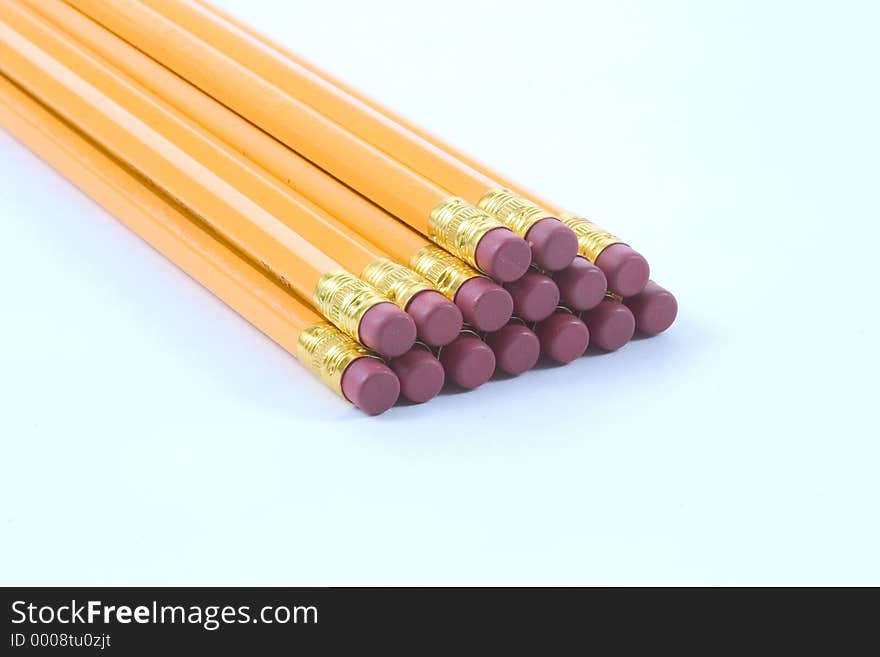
[
  {"x": 352, "y": 305},
  {"x": 337, "y": 360},
  {"x": 484, "y": 305},
  {"x": 626, "y": 270},
  {"x": 458, "y": 226},
  {"x": 553, "y": 244}
]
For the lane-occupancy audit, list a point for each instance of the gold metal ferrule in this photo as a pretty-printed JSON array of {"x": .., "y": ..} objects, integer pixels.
[
  {"x": 327, "y": 352},
  {"x": 344, "y": 299},
  {"x": 592, "y": 240},
  {"x": 517, "y": 213},
  {"x": 443, "y": 271},
  {"x": 396, "y": 282},
  {"x": 458, "y": 227}
]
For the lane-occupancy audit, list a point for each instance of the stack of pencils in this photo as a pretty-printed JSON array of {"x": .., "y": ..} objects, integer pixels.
[{"x": 386, "y": 261}]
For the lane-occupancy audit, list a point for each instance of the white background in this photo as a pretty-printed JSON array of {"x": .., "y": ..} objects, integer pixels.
[{"x": 151, "y": 436}]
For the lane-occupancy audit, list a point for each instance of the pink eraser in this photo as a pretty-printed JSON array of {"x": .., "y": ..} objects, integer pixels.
[
  {"x": 484, "y": 305},
  {"x": 438, "y": 320},
  {"x": 535, "y": 296},
  {"x": 387, "y": 330},
  {"x": 554, "y": 245},
  {"x": 611, "y": 325},
  {"x": 582, "y": 285},
  {"x": 420, "y": 373},
  {"x": 468, "y": 361},
  {"x": 516, "y": 348},
  {"x": 502, "y": 255},
  {"x": 654, "y": 309},
  {"x": 625, "y": 268},
  {"x": 369, "y": 384},
  {"x": 563, "y": 337}
]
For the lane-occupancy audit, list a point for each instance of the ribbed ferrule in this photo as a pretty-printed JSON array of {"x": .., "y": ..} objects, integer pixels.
[
  {"x": 327, "y": 352},
  {"x": 344, "y": 299},
  {"x": 592, "y": 240},
  {"x": 444, "y": 271},
  {"x": 517, "y": 213},
  {"x": 458, "y": 227},
  {"x": 395, "y": 282}
]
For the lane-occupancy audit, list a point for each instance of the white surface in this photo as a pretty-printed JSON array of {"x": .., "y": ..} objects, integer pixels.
[{"x": 151, "y": 436}]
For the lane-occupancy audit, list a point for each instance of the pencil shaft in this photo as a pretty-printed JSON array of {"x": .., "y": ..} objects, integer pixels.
[
  {"x": 347, "y": 221},
  {"x": 380, "y": 108},
  {"x": 306, "y": 219},
  {"x": 345, "y": 205},
  {"x": 284, "y": 254},
  {"x": 331, "y": 101},
  {"x": 367, "y": 169}
]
